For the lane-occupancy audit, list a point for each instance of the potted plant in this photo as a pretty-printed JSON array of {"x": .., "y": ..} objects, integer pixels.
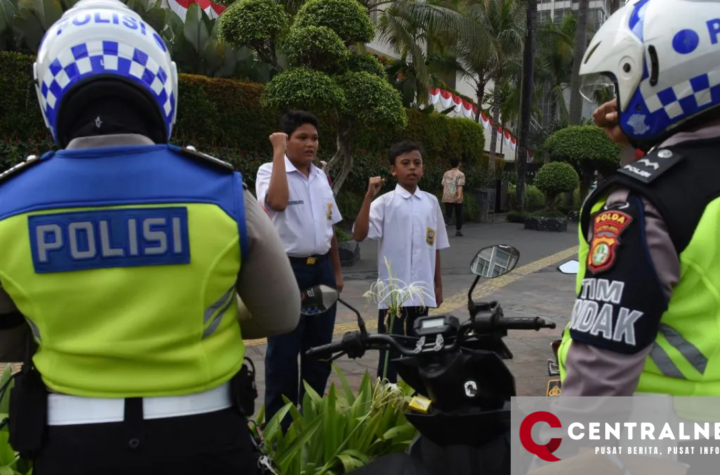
[{"x": 552, "y": 179}]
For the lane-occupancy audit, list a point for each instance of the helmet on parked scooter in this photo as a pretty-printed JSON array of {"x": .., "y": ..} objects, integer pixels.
[
  {"x": 101, "y": 49},
  {"x": 663, "y": 59}
]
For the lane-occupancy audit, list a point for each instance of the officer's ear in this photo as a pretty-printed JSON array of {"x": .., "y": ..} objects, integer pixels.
[{"x": 393, "y": 171}]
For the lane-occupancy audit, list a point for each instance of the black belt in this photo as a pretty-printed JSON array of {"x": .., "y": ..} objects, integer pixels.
[{"x": 308, "y": 261}]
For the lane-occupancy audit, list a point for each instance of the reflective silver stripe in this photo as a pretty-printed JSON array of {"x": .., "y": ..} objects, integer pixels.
[
  {"x": 664, "y": 363},
  {"x": 213, "y": 308},
  {"x": 218, "y": 318},
  {"x": 35, "y": 330},
  {"x": 687, "y": 349}
]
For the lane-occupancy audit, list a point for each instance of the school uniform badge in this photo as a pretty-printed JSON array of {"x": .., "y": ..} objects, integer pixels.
[
  {"x": 328, "y": 214},
  {"x": 607, "y": 228},
  {"x": 430, "y": 237}
]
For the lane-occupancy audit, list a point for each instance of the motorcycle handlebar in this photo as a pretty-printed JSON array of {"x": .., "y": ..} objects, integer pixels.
[
  {"x": 357, "y": 342},
  {"x": 523, "y": 323},
  {"x": 353, "y": 339}
]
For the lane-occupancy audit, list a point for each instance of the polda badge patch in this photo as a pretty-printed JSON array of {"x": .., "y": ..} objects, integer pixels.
[{"x": 607, "y": 227}]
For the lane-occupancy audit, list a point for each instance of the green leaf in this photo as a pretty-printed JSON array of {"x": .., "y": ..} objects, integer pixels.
[
  {"x": 7, "y": 454},
  {"x": 5, "y": 401},
  {"x": 274, "y": 425},
  {"x": 349, "y": 463},
  {"x": 331, "y": 437},
  {"x": 261, "y": 416},
  {"x": 345, "y": 385},
  {"x": 369, "y": 431},
  {"x": 399, "y": 432},
  {"x": 296, "y": 446},
  {"x": 356, "y": 454}
]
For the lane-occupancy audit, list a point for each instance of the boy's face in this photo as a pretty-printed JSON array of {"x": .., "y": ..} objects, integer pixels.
[
  {"x": 408, "y": 168},
  {"x": 302, "y": 144}
]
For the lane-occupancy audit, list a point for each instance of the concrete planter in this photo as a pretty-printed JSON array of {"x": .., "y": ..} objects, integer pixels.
[
  {"x": 537, "y": 223},
  {"x": 349, "y": 253}
]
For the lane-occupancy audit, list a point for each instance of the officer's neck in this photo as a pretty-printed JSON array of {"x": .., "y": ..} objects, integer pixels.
[{"x": 114, "y": 140}]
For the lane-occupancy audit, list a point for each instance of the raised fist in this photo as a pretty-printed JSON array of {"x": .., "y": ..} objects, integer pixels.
[
  {"x": 279, "y": 141},
  {"x": 374, "y": 185}
]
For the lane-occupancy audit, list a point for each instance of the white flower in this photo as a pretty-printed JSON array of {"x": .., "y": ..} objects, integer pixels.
[{"x": 395, "y": 292}]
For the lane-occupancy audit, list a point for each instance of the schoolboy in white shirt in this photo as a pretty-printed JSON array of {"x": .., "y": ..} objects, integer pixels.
[
  {"x": 301, "y": 205},
  {"x": 410, "y": 229}
]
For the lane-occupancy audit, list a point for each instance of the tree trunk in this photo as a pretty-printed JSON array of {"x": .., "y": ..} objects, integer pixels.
[
  {"x": 480, "y": 92},
  {"x": 344, "y": 154},
  {"x": 580, "y": 46},
  {"x": 586, "y": 179},
  {"x": 525, "y": 102},
  {"x": 494, "y": 129},
  {"x": 553, "y": 112}
]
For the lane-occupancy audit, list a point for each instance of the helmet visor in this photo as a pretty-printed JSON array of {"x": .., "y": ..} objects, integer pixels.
[{"x": 597, "y": 88}]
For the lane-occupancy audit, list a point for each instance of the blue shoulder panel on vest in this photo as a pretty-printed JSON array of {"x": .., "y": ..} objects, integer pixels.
[
  {"x": 63, "y": 242},
  {"x": 114, "y": 176}
]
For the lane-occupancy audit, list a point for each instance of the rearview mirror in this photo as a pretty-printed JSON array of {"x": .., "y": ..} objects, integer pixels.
[
  {"x": 317, "y": 299},
  {"x": 494, "y": 261},
  {"x": 570, "y": 267}
]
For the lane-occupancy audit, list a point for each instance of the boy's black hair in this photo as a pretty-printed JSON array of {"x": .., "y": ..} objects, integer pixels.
[
  {"x": 293, "y": 119},
  {"x": 454, "y": 162},
  {"x": 403, "y": 147}
]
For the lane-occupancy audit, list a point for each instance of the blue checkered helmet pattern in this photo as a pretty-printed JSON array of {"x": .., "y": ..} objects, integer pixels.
[
  {"x": 663, "y": 59},
  {"x": 101, "y": 38}
]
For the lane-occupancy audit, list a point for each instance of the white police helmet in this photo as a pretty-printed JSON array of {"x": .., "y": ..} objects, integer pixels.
[
  {"x": 100, "y": 39},
  {"x": 663, "y": 57}
]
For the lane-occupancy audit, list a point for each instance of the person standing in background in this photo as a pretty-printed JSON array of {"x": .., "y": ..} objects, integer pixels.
[
  {"x": 298, "y": 198},
  {"x": 453, "y": 182}
]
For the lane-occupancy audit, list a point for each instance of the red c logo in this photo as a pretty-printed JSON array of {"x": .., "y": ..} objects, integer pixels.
[{"x": 542, "y": 451}]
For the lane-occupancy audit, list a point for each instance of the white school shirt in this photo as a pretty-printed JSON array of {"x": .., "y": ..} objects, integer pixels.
[
  {"x": 306, "y": 225},
  {"x": 409, "y": 229}
]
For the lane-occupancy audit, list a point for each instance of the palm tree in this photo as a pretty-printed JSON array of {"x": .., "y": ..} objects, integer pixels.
[
  {"x": 554, "y": 61},
  {"x": 581, "y": 41},
  {"x": 504, "y": 22},
  {"x": 425, "y": 54}
]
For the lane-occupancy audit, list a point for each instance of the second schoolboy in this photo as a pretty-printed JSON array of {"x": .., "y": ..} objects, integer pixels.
[{"x": 409, "y": 227}]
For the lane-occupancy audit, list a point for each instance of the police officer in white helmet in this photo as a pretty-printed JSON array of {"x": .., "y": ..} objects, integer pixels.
[
  {"x": 124, "y": 256},
  {"x": 646, "y": 319}
]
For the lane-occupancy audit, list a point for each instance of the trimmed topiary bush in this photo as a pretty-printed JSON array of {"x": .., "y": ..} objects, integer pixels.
[
  {"x": 555, "y": 178},
  {"x": 587, "y": 148},
  {"x": 304, "y": 88},
  {"x": 317, "y": 47},
  {"x": 258, "y": 24},
  {"x": 368, "y": 63},
  {"x": 347, "y": 18}
]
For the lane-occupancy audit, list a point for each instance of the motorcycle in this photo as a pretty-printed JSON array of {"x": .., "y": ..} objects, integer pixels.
[{"x": 461, "y": 408}]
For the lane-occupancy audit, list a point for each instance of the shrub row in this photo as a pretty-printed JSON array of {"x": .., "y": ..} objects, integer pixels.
[{"x": 223, "y": 117}]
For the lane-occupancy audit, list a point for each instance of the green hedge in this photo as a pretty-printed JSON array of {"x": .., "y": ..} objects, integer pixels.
[{"x": 223, "y": 117}]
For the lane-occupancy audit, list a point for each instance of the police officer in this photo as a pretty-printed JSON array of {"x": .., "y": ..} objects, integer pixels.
[
  {"x": 632, "y": 321},
  {"x": 125, "y": 255},
  {"x": 646, "y": 316}
]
